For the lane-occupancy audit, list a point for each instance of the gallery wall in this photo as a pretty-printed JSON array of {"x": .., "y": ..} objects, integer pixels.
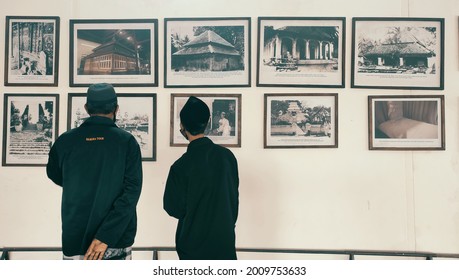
[{"x": 348, "y": 197}]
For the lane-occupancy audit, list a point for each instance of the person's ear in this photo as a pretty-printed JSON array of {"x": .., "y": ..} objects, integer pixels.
[{"x": 86, "y": 108}]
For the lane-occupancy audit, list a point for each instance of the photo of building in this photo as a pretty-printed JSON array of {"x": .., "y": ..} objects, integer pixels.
[
  {"x": 207, "y": 50},
  {"x": 301, "y": 48},
  {"x": 407, "y": 50},
  {"x": 114, "y": 52}
]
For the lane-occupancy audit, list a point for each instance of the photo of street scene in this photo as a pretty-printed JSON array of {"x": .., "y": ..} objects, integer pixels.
[{"x": 31, "y": 129}]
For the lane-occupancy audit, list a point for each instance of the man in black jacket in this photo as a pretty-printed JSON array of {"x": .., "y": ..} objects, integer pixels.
[
  {"x": 99, "y": 167},
  {"x": 202, "y": 191}
]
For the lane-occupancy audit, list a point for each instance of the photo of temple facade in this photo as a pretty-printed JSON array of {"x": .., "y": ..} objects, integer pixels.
[
  {"x": 207, "y": 52},
  {"x": 297, "y": 118},
  {"x": 114, "y": 52},
  {"x": 301, "y": 48}
]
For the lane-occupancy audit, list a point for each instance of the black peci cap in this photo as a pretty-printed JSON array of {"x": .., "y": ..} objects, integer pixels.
[
  {"x": 101, "y": 94},
  {"x": 195, "y": 114}
]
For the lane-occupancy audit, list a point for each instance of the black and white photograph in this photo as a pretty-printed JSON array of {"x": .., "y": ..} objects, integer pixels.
[
  {"x": 136, "y": 115},
  {"x": 404, "y": 53},
  {"x": 224, "y": 127},
  {"x": 406, "y": 122},
  {"x": 207, "y": 52},
  {"x": 120, "y": 52},
  {"x": 30, "y": 124},
  {"x": 301, "y": 121},
  {"x": 31, "y": 51},
  {"x": 301, "y": 52}
]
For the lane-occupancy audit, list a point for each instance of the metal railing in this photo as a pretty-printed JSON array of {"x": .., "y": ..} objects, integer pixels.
[{"x": 349, "y": 253}]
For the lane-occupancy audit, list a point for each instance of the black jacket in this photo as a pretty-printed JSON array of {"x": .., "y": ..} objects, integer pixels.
[
  {"x": 99, "y": 167},
  {"x": 202, "y": 192}
]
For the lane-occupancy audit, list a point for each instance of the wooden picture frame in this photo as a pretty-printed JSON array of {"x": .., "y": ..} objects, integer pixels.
[
  {"x": 301, "y": 120},
  {"x": 31, "y": 51},
  {"x": 398, "y": 53},
  {"x": 224, "y": 126},
  {"x": 30, "y": 127},
  {"x": 406, "y": 122},
  {"x": 207, "y": 52},
  {"x": 301, "y": 52},
  {"x": 122, "y": 52}
]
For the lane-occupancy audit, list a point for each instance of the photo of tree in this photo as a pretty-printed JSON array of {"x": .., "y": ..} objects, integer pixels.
[{"x": 32, "y": 51}]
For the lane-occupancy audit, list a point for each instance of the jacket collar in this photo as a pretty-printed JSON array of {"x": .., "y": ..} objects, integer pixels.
[
  {"x": 98, "y": 120},
  {"x": 195, "y": 144}
]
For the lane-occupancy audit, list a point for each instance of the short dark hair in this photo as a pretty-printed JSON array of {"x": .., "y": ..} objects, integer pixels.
[{"x": 101, "y": 108}]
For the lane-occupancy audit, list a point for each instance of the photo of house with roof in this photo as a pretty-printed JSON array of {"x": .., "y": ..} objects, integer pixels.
[
  {"x": 114, "y": 52},
  {"x": 301, "y": 48},
  {"x": 208, "y": 50},
  {"x": 409, "y": 50}
]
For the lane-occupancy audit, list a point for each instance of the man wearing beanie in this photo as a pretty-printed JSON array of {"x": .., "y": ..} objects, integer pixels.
[
  {"x": 202, "y": 191},
  {"x": 99, "y": 167}
]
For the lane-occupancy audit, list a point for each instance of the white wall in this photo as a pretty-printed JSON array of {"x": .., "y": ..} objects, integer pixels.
[{"x": 344, "y": 198}]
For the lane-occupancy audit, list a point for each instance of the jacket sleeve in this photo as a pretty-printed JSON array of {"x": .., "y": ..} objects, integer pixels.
[
  {"x": 174, "y": 201},
  {"x": 124, "y": 207},
  {"x": 53, "y": 168}
]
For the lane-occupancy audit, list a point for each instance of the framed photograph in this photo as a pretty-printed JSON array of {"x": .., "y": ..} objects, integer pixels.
[
  {"x": 398, "y": 53},
  {"x": 31, "y": 51},
  {"x": 224, "y": 126},
  {"x": 301, "y": 52},
  {"x": 122, "y": 52},
  {"x": 207, "y": 52},
  {"x": 301, "y": 120},
  {"x": 30, "y": 124},
  {"x": 406, "y": 122},
  {"x": 136, "y": 115}
]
